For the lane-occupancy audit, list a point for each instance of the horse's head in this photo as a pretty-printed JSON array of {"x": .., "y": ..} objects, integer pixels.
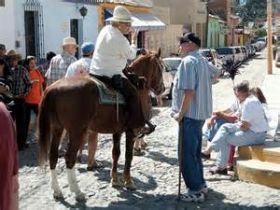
[{"x": 151, "y": 67}]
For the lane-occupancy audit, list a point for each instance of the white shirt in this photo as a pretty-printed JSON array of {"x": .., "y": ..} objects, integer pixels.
[
  {"x": 112, "y": 50},
  {"x": 253, "y": 112},
  {"x": 79, "y": 68}
]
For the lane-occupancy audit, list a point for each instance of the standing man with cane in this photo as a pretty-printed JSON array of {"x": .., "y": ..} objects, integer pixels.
[{"x": 192, "y": 104}]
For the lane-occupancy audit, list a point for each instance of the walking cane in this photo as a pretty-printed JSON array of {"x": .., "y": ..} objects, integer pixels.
[{"x": 180, "y": 139}]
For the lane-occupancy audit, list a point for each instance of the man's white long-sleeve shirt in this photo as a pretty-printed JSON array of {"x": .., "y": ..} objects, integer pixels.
[{"x": 112, "y": 50}]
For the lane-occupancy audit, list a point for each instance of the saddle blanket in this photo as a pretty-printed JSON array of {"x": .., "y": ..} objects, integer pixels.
[{"x": 107, "y": 95}]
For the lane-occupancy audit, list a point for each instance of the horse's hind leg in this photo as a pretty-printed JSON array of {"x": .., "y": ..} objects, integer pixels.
[
  {"x": 116, "y": 182},
  {"x": 128, "y": 182},
  {"x": 53, "y": 156},
  {"x": 75, "y": 142}
]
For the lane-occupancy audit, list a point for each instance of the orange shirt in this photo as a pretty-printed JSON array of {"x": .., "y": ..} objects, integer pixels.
[{"x": 35, "y": 94}]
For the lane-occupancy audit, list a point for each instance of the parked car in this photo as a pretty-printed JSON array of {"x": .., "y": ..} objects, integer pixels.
[
  {"x": 171, "y": 65},
  {"x": 227, "y": 54}
]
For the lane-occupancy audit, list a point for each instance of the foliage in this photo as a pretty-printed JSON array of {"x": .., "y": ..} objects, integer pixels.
[
  {"x": 260, "y": 32},
  {"x": 252, "y": 10}
]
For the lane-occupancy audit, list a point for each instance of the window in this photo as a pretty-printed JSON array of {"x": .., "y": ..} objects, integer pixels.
[{"x": 2, "y": 3}]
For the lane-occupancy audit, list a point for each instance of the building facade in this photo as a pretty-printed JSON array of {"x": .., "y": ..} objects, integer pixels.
[
  {"x": 34, "y": 27},
  {"x": 216, "y": 32}
]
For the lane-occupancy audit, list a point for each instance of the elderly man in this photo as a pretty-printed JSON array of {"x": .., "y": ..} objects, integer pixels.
[
  {"x": 60, "y": 63},
  {"x": 21, "y": 86},
  {"x": 249, "y": 130},
  {"x": 192, "y": 104},
  {"x": 110, "y": 58}
]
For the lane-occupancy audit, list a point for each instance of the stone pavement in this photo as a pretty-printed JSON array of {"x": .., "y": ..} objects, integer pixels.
[{"x": 156, "y": 173}]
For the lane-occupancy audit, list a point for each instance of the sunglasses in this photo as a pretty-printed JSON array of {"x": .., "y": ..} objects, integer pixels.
[{"x": 184, "y": 41}]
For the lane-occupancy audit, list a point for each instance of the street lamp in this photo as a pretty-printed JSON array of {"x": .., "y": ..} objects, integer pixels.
[{"x": 83, "y": 11}]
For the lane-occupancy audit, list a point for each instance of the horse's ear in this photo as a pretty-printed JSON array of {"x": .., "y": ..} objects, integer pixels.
[{"x": 159, "y": 52}]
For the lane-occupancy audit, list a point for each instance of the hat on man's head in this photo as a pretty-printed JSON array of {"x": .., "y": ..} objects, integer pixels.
[
  {"x": 87, "y": 48},
  {"x": 13, "y": 54},
  {"x": 190, "y": 37},
  {"x": 121, "y": 14},
  {"x": 2, "y": 47},
  {"x": 69, "y": 41}
]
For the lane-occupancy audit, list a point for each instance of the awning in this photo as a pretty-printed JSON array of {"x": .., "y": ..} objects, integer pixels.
[{"x": 143, "y": 21}]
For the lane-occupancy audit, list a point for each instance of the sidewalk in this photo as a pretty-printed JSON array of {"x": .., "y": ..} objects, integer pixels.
[{"x": 271, "y": 89}]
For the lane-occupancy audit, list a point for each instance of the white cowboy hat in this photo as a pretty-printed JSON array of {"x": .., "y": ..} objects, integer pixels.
[
  {"x": 121, "y": 14},
  {"x": 69, "y": 41}
]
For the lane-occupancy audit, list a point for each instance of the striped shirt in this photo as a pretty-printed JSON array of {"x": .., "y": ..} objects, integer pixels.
[
  {"x": 58, "y": 67},
  {"x": 194, "y": 73}
]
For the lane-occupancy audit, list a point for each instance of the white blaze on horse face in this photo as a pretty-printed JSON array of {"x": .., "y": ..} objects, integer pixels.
[
  {"x": 74, "y": 187},
  {"x": 54, "y": 183}
]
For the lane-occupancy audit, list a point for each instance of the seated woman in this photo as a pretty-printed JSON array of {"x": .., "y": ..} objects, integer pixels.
[{"x": 249, "y": 130}]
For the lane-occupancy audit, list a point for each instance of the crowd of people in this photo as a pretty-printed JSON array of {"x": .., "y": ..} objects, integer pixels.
[{"x": 22, "y": 83}]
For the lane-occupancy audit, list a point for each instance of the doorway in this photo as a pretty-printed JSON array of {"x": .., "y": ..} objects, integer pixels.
[
  {"x": 76, "y": 31},
  {"x": 31, "y": 22}
]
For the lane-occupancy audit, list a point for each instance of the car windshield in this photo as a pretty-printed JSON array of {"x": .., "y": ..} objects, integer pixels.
[
  {"x": 172, "y": 64},
  {"x": 224, "y": 51}
]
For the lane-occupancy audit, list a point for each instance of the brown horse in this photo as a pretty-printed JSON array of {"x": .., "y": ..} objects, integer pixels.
[{"x": 73, "y": 104}]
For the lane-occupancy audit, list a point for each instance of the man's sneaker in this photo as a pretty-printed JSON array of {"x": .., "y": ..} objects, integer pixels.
[
  {"x": 217, "y": 170},
  {"x": 204, "y": 190},
  {"x": 189, "y": 197}
]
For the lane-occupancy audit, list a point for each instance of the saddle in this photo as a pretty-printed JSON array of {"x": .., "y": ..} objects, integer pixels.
[{"x": 107, "y": 95}]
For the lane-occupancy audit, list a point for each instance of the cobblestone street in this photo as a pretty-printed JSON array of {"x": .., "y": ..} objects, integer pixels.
[{"x": 155, "y": 174}]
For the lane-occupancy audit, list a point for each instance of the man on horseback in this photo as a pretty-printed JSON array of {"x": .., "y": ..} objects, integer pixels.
[{"x": 111, "y": 54}]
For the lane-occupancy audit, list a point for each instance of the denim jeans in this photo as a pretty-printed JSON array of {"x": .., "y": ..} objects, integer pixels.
[
  {"x": 211, "y": 132},
  {"x": 192, "y": 168},
  {"x": 230, "y": 134}
]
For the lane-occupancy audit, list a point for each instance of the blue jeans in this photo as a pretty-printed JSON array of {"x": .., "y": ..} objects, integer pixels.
[
  {"x": 211, "y": 132},
  {"x": 192, "y": 168},
  {"x": 230, "y": 134}
]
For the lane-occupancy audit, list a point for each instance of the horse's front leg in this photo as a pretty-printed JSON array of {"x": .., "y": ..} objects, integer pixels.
[
  {"x": 116, "y": 182},
  {"x": 128, "y": 182},
  {"x": 92, "y": 146}
]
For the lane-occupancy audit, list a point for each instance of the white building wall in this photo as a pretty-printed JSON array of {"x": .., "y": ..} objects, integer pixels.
[
  {"x": 57, "y": 23},
  {"x": 7, "y": 24},
  {"x": 56, "y": 18}
]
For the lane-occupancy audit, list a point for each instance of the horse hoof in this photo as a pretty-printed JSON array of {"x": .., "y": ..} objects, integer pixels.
[
  {"x": 130, "y": 185},
  {"x": 81, "y": 197},
  {"x": 143, "y": 145},
  {"x": 58, "y": 195},
  {"x": 138, "y": 152},
  {"x": 117, "y": 183}
]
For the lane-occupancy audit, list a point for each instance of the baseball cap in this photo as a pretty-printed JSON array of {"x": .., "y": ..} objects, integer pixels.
[
  {"x": 87, "y": 48},
  {"x": 190, "y": 37}
]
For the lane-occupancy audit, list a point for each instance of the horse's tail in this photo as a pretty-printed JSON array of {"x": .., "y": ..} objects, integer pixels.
[{"x": 44, "y": 121}]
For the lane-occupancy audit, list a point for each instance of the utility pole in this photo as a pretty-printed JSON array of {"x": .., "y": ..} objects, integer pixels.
[
  {"x": 207, "y": 23},
  {"x": 269, "y": 37}
]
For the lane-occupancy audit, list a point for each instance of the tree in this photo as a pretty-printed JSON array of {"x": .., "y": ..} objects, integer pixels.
[
  {"x": 252, "y": 10},
  {"x": 260, "y": 32}
]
